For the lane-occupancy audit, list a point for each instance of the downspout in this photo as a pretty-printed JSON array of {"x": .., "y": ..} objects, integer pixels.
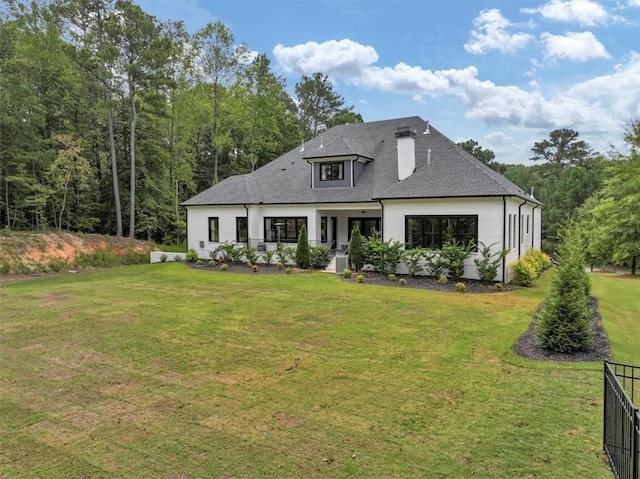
[
  {"x": 186, "y": 228},
  {"x": 504, "y": 238},
  {"x": 533, "y": 226},
  {"x": 381, "y": 219},
  {"x": 248, "y": 237},
  {"x": 520, "y": 227}
]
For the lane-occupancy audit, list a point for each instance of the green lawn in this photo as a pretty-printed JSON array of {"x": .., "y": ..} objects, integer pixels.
[{"x": 160, "y": 371}]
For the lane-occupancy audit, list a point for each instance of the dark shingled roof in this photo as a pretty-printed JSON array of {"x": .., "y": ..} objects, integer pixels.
[{"x": 450, "y": 172}]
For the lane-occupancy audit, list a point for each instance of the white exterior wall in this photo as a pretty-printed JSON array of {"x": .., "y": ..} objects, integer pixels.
[
  {"x": 198, "y": 226},
  {"x": 489, "y": 211},
  {"x": 493, "y": 218}
]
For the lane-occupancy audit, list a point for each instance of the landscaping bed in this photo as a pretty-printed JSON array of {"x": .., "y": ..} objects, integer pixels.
[{"x": 528, "y": 345}]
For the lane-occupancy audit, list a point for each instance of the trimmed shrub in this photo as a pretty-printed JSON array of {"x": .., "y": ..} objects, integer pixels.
[
  {"x": 267, "y": 257},
  {"x": 455, "y": 254},
  {"x": 224, "y": 267},
  {"x": 280, "y": 265},
  {"x": 163, "y": 258},
  {"x": 254, "y": 268},
  {"x": 436, "y": 263},
  {"x": 442, "y": 279},
  {"x": 412, "y": 259},
  {"x": 346, "y": 273},
  {"x": 488, "y": 262},
  {"x": 500, "y": 286},
  {"x": 177, "y": 258},
  {"x": 524, "y": 273},
  {"x": 384, "y": 256},
  {"x": 360, "y": 278},
  {"x": 192, "y": 255},
  {"x": 227, "y": 252},
  {"x": 212, "y": 264},
  {"x": 356, "y": 250},
  {"x": 319, "y": 257},
  {"x": 402, "y": 282},
  {"x": 303, "y": 251},
  {"x": 461, "y": 287},
  {"x": 392, "y": 277},
  {"x": 199, "y": 262},
  {"x": 289, "y": 271},
  {"x": 564, "y": 324}
]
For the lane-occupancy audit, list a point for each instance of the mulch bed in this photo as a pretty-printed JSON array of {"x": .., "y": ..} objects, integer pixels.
[
  {"x": 528, "y": 347},
  {"x": 428, "y": 282},
  {"x": 370, "y": 277}
]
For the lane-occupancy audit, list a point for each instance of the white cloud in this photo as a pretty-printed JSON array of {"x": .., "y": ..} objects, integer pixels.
[
  {"x": 338, "y": 59},
  {"x": 498, "y": 138},
  {"x": 634, "y": 3},
  {"x": 575, "y": 46},
  {"x": 585, "y": 12},
  {"x": 601, "y": 104},
  {"x": 491, "y": 34}
]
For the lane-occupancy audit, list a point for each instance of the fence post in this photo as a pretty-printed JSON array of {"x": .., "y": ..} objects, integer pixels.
[
  {"x": 635, "y": 447},
  {"x": 604, "y": 415}
]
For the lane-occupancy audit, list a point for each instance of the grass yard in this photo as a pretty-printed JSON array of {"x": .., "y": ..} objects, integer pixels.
[{"x": 160, "y": 371}]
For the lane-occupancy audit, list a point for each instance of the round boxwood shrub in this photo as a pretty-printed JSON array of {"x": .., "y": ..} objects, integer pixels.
[
  {"x": 360, "y": 278},
  {"x": 442, "y": 279},
  {"x": 346, "y": 273},
  {"x": 461, "y": 287}
]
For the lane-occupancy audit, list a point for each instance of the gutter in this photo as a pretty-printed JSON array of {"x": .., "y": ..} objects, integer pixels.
[
  {"x": 520, "y": 227},
  {"x": 381, "y": 219},
  {"x": 504, "y": 237}
]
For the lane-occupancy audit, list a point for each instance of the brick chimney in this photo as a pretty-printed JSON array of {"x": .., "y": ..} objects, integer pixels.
[{"x": 406, "y": 138}]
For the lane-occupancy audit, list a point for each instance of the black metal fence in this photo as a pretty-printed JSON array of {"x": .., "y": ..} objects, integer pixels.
[{"x": 621, "y": 431}]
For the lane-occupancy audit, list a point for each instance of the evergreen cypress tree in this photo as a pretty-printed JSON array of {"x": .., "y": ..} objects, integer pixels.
[
  {"x": 303, "y": 251},
  {"x": 564, "y": 324},
  {"x": 356, "y": 249}
]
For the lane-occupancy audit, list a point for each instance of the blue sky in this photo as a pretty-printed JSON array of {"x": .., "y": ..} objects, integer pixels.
[{"x": 503, "y": 72}]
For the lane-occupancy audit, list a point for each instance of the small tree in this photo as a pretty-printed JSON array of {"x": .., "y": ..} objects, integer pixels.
[
  {"x": 456, "y": 253},
  {"x": 412, "y": 259},
  {"x": 488, "y": 262},
  {"x": 564, "y": 325},
  {"x": 303, "y": 251},
  {"x": 356, "y": 249}
]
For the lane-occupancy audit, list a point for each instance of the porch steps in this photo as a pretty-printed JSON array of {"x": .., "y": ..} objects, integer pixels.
[{"x": 331, "y": 267}]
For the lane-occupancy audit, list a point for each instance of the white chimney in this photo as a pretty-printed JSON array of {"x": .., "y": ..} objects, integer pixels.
[{"x": 406, "y": 137}]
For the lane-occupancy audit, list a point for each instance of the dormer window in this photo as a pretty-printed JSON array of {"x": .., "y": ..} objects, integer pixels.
[{"x": 332, "y": 171}]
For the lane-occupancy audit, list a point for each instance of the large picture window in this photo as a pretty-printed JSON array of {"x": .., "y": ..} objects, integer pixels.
[
  {"x": 283, "y": 230},
  {"x": 366, "y": 226},
  {"x": 214, "y": 232},
  {"x": 433, "y": 231},
  {"x": 332, "y": 171},
  {"x": 242, "y": 231}
]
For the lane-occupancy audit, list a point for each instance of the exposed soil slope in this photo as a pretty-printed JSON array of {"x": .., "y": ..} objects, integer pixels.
[{"x": 26, "y": 252}]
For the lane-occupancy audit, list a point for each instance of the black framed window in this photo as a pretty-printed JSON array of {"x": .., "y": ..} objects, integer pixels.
[
  {"x": 283, "y": 229},
  {"x": 433, "y": 231},
  {"x": 214, "y": 232},
  {"x": 242, "y": 229},
  {"x": 332, "y": 171},
  {"x": 366, "y": 226},
  {"x": 323, "y": 229}
]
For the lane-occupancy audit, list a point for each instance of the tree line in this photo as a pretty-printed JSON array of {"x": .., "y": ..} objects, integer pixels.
[
  {"x": 595, "y": 193},
  {"x": 110, "y": 118}
]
